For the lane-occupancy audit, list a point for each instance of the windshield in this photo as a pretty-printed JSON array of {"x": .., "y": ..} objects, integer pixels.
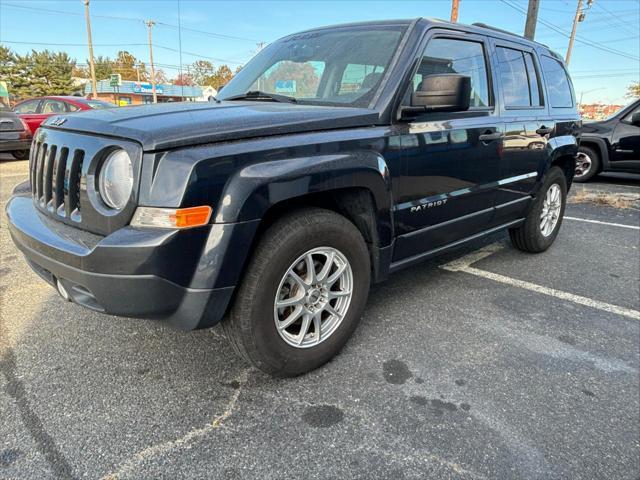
[{"x": 341, "y": 66}]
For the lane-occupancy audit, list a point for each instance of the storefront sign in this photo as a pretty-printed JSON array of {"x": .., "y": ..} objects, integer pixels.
[{"x": 146, "y": 88}]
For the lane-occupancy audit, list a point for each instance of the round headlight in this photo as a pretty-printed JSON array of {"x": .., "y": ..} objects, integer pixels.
[{"x": 116, "y": 179}]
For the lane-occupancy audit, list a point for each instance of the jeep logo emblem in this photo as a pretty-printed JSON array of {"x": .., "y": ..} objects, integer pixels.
[{"x": 58, "y": 121}]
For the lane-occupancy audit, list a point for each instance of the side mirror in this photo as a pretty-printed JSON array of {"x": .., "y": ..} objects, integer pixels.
[
  {"x": 447, "y": 92},
  {"x": 635, "y": 119}
]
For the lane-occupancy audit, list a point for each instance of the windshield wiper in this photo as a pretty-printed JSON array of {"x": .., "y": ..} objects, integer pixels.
[{"x": 259, "y": 94}]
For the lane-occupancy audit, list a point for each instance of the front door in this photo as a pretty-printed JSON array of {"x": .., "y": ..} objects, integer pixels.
[{"x": 452, "y": 160}]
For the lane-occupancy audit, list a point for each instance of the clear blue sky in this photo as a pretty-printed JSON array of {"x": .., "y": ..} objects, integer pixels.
[{"x": 602, "y": 76}]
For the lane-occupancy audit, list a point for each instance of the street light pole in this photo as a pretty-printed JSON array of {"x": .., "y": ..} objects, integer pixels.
[
  {"x": 92, "y": 68},
  {"x": 150, "y": 24}
]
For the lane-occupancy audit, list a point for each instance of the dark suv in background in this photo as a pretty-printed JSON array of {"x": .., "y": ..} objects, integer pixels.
[
  {"x": 335, "y": 157},
  {"x": 611, "y": 145}
]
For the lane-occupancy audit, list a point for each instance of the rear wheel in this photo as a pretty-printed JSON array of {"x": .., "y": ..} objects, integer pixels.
[
  {"x": 587, "y": 164},
  {"x": 542, "y": 225},
  {"x": 20, "y": 154},
  {"x": 302, "y": 294}
]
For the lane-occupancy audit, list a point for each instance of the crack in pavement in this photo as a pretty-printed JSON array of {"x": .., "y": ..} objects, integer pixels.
[
  {"x": 129, "y": 465},
  {"x": 16, "y": 389}
]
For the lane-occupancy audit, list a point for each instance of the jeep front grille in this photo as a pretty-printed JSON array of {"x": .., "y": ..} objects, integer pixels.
[
  {"x": 55, "y": 179},
  {"x": 64, "y": 170}
]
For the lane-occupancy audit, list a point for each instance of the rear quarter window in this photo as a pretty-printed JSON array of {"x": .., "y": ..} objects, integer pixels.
[{"x": 558, "y": 84}]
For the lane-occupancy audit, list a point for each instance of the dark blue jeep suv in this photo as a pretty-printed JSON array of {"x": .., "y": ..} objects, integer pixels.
[{"x": 335, "y": 157}]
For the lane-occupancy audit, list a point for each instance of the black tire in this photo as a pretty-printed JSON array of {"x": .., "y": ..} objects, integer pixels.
[
  {"x": 250, "y": 325},
  {"x": 594, "y": 158},
  {"x": 528, "y": 237},
  {"x": 20, "y": 154}
]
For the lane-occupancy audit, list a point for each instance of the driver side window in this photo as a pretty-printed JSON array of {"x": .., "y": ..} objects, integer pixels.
[{"x": 464, "y": 57}]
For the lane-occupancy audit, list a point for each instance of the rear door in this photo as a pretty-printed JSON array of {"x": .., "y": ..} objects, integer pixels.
[
  {"x": 452, "y": 160},
  {"x": 528, "y": 126}
]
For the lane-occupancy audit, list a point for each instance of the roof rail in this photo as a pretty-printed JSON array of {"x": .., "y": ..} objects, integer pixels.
[{"x": 484, "y": 25}]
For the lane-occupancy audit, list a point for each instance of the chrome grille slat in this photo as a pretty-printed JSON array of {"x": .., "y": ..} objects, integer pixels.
[
  {"x": 39, "y": 171},
  {"x": 48, "y": 174},
  {"x": 58, "y": 178},
  {"x": 72, "y": 183},
  {"x": 35, "y": 153}
]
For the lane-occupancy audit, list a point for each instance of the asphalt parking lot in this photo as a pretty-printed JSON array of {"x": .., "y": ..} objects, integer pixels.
[{"x": 487, "y": 363}]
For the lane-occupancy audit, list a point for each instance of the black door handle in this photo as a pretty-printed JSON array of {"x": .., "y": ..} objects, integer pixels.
[
  {"x": 491, "y": 136},
  {"x": 544, "y": 130}
]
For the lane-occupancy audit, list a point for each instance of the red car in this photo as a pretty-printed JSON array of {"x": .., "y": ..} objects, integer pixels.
[{"x": 36, "y": 110}]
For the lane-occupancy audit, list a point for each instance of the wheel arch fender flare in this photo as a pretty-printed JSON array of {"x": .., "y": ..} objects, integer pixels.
[
  {"x": 601, "y": 147},
  {"x": 255, "y": 188}
]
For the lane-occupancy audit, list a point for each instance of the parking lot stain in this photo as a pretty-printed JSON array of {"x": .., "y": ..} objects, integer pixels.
[
  {"x": 567, "y": 339},
  {"x": 16, "y": 389},
  {"x": 322, "y": 416},
  {"x": 9, "y": 456},
  {"x": 419, "y": 400},
  {"x": 588, "y": 393},
  {"x": 143, "y": 370},
  {"x": 460, "y": 382},
  {"x": 233, "y": 384},
  {"x": 396, "y": 372},
  {"x": 437, "y": 406},
  {"x": 440, "y": 406}
]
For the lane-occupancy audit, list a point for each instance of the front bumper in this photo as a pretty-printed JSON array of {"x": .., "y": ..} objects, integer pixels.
[
  {"x": 182, "y": 277},
  {"x": 13, "y": 145}
]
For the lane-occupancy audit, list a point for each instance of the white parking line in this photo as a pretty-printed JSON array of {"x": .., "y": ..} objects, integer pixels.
[
  {"x": 463, "y": 264},
  {"x": 621, "y": 225}
]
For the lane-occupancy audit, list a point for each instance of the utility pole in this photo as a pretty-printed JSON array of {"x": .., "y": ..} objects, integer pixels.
[
  {"x": 92, "y": 68},
  {"x": 260, "y": 47},
  {"x": 150, "y": 24},
  {"x": 532, "y": 19},
  {"x": 580, "y": 16},
  {"x": 455, "y": 7}
]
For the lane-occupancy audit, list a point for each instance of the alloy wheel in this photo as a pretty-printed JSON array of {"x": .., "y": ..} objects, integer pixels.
[
  {"x": 551, "y": 207},
  {"x": 313, "y": 297},
  {"x": 583, "y": 164}
]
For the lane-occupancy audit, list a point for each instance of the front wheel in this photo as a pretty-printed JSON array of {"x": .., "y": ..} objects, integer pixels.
[
  {"x": 542, "y": 224},
  {"x": 20, "y": 154},
  {"x": 302, "y": 294}
]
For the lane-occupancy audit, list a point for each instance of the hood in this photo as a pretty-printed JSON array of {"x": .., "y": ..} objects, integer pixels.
[{"x": 164, "y": 126}]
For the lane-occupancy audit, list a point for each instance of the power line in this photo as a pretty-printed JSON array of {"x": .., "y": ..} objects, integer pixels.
[
  {"x": 164, "y": 47},
  {"x": 578, "y": 39},
  {"x": 113, "y": 17},
  {"x": 620, "y": 21}
]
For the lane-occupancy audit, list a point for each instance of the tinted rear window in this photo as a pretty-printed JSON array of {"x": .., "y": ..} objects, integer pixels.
[{"x": 558, "y": 86}]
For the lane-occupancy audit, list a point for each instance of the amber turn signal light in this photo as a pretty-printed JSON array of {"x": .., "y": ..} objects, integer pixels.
[{"x": 152, "y": 217}]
